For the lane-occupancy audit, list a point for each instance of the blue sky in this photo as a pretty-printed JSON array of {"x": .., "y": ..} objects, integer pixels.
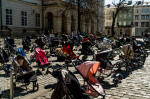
[{"x": 110, "y": 1}]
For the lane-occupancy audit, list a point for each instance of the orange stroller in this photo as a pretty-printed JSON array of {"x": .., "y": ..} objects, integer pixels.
[{"x": 88, "y": 71}]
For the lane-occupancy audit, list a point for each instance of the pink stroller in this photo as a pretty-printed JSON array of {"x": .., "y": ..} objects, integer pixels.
[
  {"x": 41, "y": 58},
  {"x": 88, "y": 71}
]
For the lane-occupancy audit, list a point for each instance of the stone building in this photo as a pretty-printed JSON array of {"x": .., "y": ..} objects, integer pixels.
[
  {"x": 142, "y": 17},
  {"x": 34, "y": 16},
  {"x": 109, "y": 19},
  {"x": 125, "y": 22}
]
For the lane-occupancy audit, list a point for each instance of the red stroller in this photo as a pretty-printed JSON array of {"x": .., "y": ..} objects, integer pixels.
[
  {"x": 41, "y": 58},
  {"x": 70, "y": 55},
  {"x": 88, "y": 71}
]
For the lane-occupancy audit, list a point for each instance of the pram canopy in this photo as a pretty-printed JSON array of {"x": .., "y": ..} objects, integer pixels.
[
  {"x": 103, "y": 55},
  {"x": 67, "y": 86},
  {"x": 88, "y": 70},
  {"x": 127, "y": 51}
]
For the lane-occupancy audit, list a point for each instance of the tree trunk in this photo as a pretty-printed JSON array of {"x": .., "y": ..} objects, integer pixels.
[{"x": 113, "y": 25}]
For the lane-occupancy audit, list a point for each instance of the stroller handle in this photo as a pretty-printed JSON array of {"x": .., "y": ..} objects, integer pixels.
[{"x": 13, "y": 59}]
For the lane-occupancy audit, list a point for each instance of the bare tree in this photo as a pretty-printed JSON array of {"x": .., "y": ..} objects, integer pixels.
[
  {"x": 120, "y": 7},
  {"x": 87, "y": 8}
]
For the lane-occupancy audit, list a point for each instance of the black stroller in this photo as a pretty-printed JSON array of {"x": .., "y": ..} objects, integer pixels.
[
  {"x": 67, "y": 86},
  {"x": 26, "y": 42},
  {"x": 10, "y": 44},
  {"x": 4, "y": 58},
  {"x": 40, "y": 41},
  {"x": 24, "y": 73},
  {"x": 106, "y": 65}
]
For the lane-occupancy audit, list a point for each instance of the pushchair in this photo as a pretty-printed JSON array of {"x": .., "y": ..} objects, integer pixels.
[
  {"x": 26, "y": 42},
  {"x": 86, "y": 48},
  {"x": 68, "y": 51},
  {"x": 40, "y": 57},
  {"x": 10, "y": 45},
  {"x": 127, "y": 56},
  {"x": 67, "y": 85},
  {"x": 24, "y": 73},
  {"x": 4, "y": 58},
  {"x": 107, "y": 68},
  {"x": 88, "y": 71},
  {"x": 40, "y": 41}
]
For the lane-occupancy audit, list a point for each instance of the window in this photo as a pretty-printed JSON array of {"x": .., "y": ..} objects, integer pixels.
[
  {"x": 147, "y": 24},
  {"x": 124, "y": 23},
  {"x": 136, "y": 23},
  {"x": 119, "y": 22},
  {"x": 143, "y": 17},
  {"x": 147, "y": 10},
  {"x": 136, "y": 17},
  {"x": 9, "y": 17},
  {"x": 143, "y": 10},
  {"x": 37, "y": 20},
  {"x": 23, "y": 18},
  {"x": 147, "y": 17},
  {"x": 136, "y": 11},
  {"x": 129, "y": 22},
  {"x": 124, "y": 16},
  {"x": 143, "y": 24}
]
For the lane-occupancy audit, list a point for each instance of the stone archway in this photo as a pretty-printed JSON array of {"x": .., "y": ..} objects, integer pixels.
[
  {"x": 64, "y": 24},
  {"x": 86, "y": 25},
  {"x": 50, "y": 18},
  {"x": 92, "y": 26},
  {"x": 127, "y": 32},
  {"x": 72, "y": 23}
]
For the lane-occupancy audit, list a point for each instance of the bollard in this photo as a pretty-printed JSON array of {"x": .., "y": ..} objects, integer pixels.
[{"x": 11, "y": 86}]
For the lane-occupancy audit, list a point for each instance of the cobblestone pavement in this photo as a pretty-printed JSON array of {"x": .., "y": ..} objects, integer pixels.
[{"x": 134, "y": 86}]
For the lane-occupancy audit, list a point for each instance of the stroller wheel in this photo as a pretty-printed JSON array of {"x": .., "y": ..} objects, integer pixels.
[
  {"x": 101, "y": 78},
  {"x": 35, "y": 84},
  {"x": 14, "y": 85},
  {"x": 116, "y": 81},
  {"x": 128, "y": 69}
]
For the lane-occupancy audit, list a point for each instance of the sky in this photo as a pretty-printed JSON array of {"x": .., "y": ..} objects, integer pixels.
[{"x": 110, "y": 1}]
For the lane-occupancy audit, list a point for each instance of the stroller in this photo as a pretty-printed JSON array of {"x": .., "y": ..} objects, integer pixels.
[
  {"x": 106, "y": 65},
  {"x": 4, "y": 58},
  {"x": 9, "y": 45},
  {"x": 24, "y": 73},
  {"x": 68, "y": 50},
  {"x": 41, "y": 59},
  {"x": 127, "y": 56},
  {"x": 26, "y": 42},
  {"x": 40, "y": 41},
  {"x": 88, "y": 71},
  {"x": 67, "y": 86},
  {"x": 86, "y": 48}
]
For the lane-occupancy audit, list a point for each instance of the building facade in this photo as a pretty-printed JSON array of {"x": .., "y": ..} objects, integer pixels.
[
  {"x": 33, "y": 16},
  {"x": 136, "y": 18},
  {"x": 142, "y": 17},
  {"x": 125, "y": 22},
  {"x": 109, "y": 19}
]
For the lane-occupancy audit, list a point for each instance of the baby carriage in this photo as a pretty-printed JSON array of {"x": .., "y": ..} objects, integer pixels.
[
  {"x": 4, "y": 58},
  {"x": 41, "y": 59},
  {"x": 127, "y": 55},
  {"x": 86, "y": 48},
  {"x": 67, "y": 86},
  {"x": 26, "y": 42},
  {"x": 107, "y": 68},
  {"x": 24, "y": 73},
  {"x": 10, "y": 44},
  {"x": 40, "y": 41},
  {"x": 88, "y": 71},
  {"x": 68, "y": 51}
]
